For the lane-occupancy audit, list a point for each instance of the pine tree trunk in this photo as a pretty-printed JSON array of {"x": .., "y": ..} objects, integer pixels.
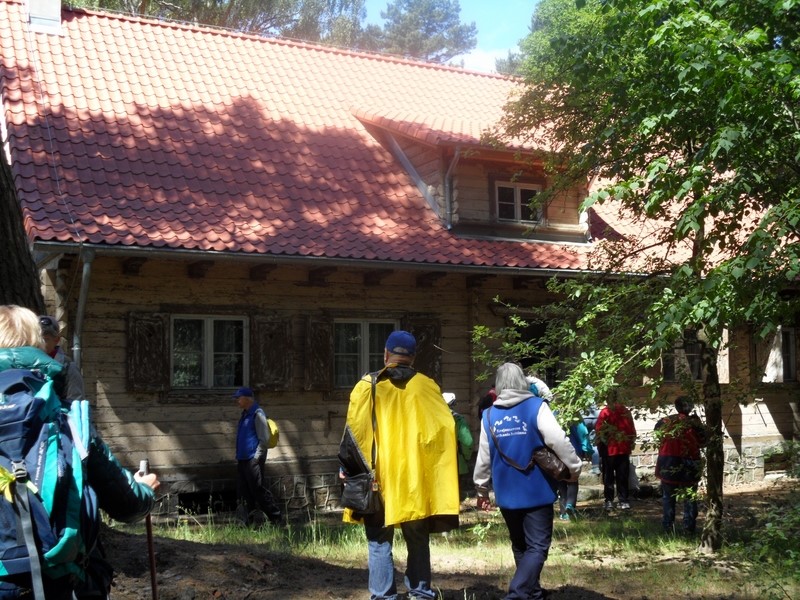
[
  {"x": 711, "y": 537},
  {"x": 19, "y": 281}
]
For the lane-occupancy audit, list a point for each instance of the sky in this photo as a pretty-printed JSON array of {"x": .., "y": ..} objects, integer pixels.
[{"x": 500, "y": 23}]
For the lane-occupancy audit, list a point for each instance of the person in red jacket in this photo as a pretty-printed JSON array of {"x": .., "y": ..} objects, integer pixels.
[
  {"x": 616, "y": 431},
  {"x": 678, "y": 465}
]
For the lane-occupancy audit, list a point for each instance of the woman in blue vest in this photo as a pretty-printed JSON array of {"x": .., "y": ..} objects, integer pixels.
[{"x": 516, "y": 425}]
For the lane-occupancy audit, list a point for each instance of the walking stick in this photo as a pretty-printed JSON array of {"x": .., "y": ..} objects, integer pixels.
[{"x": 144, "y": 468}]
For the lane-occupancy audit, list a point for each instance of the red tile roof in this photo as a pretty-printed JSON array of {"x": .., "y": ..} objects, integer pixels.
[{"x": 131, "y": 132}]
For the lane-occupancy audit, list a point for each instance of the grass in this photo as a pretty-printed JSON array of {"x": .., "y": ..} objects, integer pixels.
[{"x": 620, "y": 556}]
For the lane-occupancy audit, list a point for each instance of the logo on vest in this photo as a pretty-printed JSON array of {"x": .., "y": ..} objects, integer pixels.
[{"x": 509, "y": 426}]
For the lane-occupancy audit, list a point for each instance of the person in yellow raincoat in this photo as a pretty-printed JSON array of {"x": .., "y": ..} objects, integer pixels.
[{"x": 415, "y": 465}]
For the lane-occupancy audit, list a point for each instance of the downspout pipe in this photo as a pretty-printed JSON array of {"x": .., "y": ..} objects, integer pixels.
[
  {"x": 87, "y": 255},
  {"x": 448, "y": 190}
]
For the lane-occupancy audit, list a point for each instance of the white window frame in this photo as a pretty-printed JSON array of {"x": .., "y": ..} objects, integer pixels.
[
  {"x": 517, "y": 187},
  {"x": 363, "y": 358},
  {"x": 207, "y": 380}
]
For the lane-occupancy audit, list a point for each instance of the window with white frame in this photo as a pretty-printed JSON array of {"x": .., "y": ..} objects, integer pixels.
[
  {"x": 781, "y": 358},
  {"x": 358, "y": 348},
  {"x": 208, "y": 352},
  {"x": 686, "y": 361},
  {"x": 514, "y": 202}
]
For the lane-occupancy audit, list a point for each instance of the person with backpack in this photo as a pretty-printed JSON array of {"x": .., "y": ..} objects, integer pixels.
[
  {"x": 252, "y": 444},
  {"x": 463, "y": 438},
  {"x": 679, "y": 465},
  {"x": 55, "y": 474},
  {"x": 518, "y": 424}
]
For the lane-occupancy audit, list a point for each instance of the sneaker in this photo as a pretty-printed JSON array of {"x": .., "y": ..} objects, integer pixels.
[
  {"x": 570, "y": 510},
  {"x": 609, "y": 505},
  {"x": 624, "y": 506},
  {"x": 563, "y": 517}
]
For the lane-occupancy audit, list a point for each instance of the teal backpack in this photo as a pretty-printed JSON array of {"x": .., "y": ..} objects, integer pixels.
[{"x": 49, "y": 518}]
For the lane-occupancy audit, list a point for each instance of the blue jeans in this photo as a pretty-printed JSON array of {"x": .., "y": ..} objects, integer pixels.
[
  {"x": 668, "y": 493},
  {"x": 567, "y": 494},
  {"x": 531, "y": 532},
  {"x": 381, "y": 561}
]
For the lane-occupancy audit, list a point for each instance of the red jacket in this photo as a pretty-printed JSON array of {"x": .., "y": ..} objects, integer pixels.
[
  {"x": 679, "y": 455},
  {"x": 615, "y": 429}
]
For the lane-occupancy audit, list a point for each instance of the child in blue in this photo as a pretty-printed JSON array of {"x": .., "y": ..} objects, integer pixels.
[{"x": 568, "y": 490}]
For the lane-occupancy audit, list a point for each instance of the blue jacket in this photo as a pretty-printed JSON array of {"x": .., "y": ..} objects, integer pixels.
[
  {"x": 579, "y": 436},
  {"x": 516, "y": 432},
  {"x": 246, "y": 436}
]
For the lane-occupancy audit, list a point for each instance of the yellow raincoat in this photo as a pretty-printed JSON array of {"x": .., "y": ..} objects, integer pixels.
[{"x": 416, "y": 462}]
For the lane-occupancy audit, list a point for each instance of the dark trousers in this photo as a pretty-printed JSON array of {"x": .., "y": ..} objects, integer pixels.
[
  {"x": 252, "y": 492},
  {"x": 531, "y": 532},
  {"x": 616, "y": 471},
  {"x": 668, "y": 497}
]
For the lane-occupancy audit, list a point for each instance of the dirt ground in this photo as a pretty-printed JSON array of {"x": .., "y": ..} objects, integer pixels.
[{"x": 194, "y": 571}]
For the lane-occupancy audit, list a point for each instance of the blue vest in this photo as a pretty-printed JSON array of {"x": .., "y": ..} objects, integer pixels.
[
  {"x": 518, "y": 436},
  {"x": 246, "y": 437}
]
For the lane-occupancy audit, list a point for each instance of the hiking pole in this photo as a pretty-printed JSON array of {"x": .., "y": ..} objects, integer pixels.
[{"x": 144, "y": 468}]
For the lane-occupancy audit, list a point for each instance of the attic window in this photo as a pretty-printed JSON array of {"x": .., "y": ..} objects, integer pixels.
[{"x": 514, "y": 202}]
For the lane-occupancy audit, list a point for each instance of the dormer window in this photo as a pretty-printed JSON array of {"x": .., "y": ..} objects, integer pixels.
[{"x": 514, "y": 202}]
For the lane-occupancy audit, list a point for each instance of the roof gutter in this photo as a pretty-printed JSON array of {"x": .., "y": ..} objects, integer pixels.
[
  {"x": 87, "y": 255},
  {"x": 448, "y": 189},
  {"x": 354, "y": 263}
]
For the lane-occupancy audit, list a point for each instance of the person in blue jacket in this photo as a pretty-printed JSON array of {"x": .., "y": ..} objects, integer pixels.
[
  {"x": 568, "y": 490},
  {"x": 516, "y": 425},
  {"x": 252, "y": 444}
]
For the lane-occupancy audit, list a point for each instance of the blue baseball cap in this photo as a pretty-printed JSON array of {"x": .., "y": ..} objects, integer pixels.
[
  {"x": 402, "y": 343},
  {"x": 243, "y": 391}
]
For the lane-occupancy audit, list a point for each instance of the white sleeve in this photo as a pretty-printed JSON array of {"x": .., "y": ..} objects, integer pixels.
[
  {"x": 262, "y": 431},
  {"x": 482, "y": 474}
]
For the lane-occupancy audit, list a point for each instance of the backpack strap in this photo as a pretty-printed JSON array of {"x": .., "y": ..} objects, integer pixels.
[{"x": 25, "y": 525}]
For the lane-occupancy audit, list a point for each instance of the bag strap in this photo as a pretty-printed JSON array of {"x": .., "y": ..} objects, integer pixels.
[
  {"x": 26, "y": 524},
  {"x": 508, "y": 459},
  {"x": 374, "y": 377}
]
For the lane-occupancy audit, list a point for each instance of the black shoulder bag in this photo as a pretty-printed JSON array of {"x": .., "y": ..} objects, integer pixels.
[
  {"x": 544, "y": 458},
  {"x": 362, "y": 492}
]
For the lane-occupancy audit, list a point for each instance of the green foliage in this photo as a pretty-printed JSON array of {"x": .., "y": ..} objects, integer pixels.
[
  {"x": 686, "y": 114},
  {"x": 327, "y": 21},
  {"x": 427, "y": 30},
  {"x": 688, "y": 111},
  {"x": 422, "y": 29}
]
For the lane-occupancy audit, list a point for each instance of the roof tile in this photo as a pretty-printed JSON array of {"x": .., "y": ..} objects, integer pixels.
[{"x": 175, "y": 136}]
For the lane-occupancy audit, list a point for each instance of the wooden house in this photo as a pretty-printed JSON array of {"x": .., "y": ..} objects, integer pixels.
[{"x": 211, "y": 209}]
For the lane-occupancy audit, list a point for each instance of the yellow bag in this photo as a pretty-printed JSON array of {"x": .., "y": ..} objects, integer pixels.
[{"x": 274, "y": 433}]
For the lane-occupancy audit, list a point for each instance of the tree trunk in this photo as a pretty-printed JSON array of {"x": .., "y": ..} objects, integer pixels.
[
  {"x": 711, "y": 536},
  {"x": 19, "y": 281}
]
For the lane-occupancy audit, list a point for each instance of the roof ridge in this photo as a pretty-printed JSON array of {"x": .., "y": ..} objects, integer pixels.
[{"x": 200, "y": 27}]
